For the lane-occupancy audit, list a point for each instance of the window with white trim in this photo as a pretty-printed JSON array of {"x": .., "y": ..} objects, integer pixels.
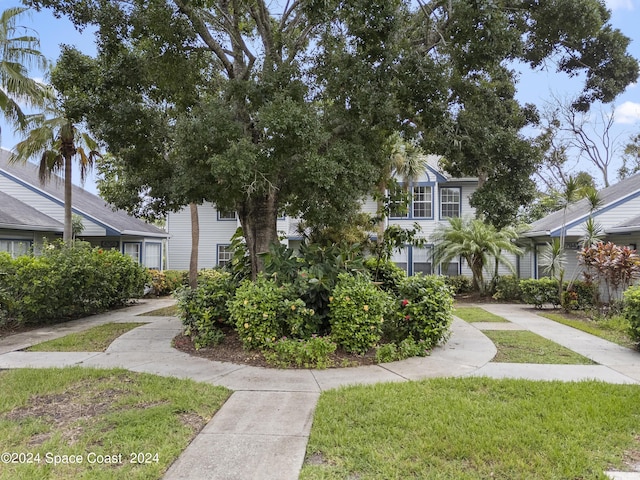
[
  {"x": 449, "y": 202},
  {"x": 153, "y": 255},
  {"x": 422, "y": 202},
  {"x": 225, "y": 254},
  {"x": 133, "y": 249},
  {"x": 401, "y": 258},
  {"x": 227, "y": 215},
  {"x": 422, "y": 261},
  {"x": 15, "y": 248}
]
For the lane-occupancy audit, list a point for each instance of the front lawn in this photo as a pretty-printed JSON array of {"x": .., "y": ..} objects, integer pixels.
[
  {"x": 477, "y": 314},
  {"x": 474, "y": 428},
  {"x": 112, "y": 424},
  {"x": 95, "y": 339},
  {"x": 521, "y": 346},
  {"x": 615, "y": 328}
]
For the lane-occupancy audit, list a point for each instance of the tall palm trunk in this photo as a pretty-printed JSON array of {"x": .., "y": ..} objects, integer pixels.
[
  {"x": 195, "y": 245},
  {"x": 67, "y": 235}
]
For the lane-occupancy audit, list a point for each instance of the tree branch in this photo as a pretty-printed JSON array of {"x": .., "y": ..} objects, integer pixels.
[{"x": 206, "y": 36}]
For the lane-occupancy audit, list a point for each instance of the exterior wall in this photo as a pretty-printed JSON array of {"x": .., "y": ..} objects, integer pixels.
[
  {"x": 44, "y": 204},
  {"x": 608, "y": 217},
  {"x": 215, "y": 231}
]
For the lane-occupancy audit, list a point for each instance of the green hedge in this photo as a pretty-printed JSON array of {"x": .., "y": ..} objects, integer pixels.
[
  {"x": 577, "y": 295},
  {"x": 632, "y": 311},
  {"x": 65, "y": 282}
]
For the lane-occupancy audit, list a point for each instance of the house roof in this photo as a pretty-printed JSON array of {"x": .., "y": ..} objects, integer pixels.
[
  {"x": 579, "y": 211},
  {"x": 86, "y": 204},
  {"x": 16, "y": 215}
]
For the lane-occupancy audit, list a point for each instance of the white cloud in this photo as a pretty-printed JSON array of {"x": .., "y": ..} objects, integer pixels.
[
  {"x": 628, "y": 113},
  {"x": 619, "y": 4}
]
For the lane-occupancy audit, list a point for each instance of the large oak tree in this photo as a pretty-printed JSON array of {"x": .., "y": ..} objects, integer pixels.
[{"x": 265, "y": 107}]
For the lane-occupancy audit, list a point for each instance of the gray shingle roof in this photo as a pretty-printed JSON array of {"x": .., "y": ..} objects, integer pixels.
[
  {"x": 16, "y": 215},
  {"x": 609, "y": 196},
  {"x": 85, "y": 203}
]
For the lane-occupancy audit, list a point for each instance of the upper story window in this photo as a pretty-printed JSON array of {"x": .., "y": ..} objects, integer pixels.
[
  {"x": 449, "y": 202},
  {"x": 422, "y": 202},
  {"x": 227, "y": 215}
]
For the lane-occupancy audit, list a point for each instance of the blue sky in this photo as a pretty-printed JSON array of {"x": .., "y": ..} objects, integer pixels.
[{"x": 535, "y": 87}]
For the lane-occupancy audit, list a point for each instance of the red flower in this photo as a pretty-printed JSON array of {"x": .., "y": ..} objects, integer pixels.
[
  {"x": 407, "y": 317},
  {"x": 405, "y": 302}
]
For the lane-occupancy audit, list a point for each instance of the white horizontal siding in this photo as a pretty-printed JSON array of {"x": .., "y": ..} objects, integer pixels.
[
  {"x": 45, "y": 205},
  {"x": 610, "y": 217},
  {"x": 213, "y": 232}
]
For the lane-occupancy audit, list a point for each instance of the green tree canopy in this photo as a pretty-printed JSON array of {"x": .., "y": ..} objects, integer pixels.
[{"x": 287, "y": 106}]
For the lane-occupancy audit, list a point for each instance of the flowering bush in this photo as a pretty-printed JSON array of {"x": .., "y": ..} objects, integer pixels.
[
  {"x": 165, "y": 282},
  {"x": 357, "y": 311},
  {"x": 425, "y": 310},
  {"x": 262, "y": 313}
]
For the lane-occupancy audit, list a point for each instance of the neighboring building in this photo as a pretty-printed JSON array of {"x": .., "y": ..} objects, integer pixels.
[
  {"x": 618, "y": 216},
  {"x": 31, "y": 212},
  {"x": 435, "y": 198}
]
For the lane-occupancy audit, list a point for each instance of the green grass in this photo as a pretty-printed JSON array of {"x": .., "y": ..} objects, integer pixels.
[
  {"x": 613, "y": 329},
  {"x": 521, "y": 346},
  {"x": 473, "y": 428},
  {"x": 477, "y": 314},
  {"x": 75, "y": 411},
  {"x": 95, "y": 339},
  {"x": 170, "y": 311}
]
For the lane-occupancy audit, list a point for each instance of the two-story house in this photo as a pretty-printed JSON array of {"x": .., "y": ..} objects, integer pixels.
[{"x": 435, "y": 197}]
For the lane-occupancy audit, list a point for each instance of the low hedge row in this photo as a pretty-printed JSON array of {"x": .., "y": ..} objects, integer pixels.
[{"x": 67, "y": 281}]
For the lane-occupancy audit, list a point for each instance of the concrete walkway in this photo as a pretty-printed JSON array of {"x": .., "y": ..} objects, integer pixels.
[{"x": 271, "y": 411}]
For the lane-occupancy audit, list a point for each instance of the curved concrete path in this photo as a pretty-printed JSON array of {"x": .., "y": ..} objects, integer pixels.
[{"x": 270, "y": 412}]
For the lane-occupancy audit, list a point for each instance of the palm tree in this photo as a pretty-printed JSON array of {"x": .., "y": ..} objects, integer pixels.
[
  {"x": 406, "y": 161},
  {"x": 57, "y": 141},
  {"x": 475, "y": 241},
  {"x": 18, "y": 52}
]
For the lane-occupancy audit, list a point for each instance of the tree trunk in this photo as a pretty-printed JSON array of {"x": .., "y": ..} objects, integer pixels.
[
  {"x": 258, "y": 218},
  {"x": 68, "y": 228},
  {"x": 195, "y": 242}
]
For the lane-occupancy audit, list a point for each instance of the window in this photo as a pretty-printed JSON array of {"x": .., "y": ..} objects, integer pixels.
[
  {"x": 225, "y": 254},
  {"x": 226, "y": 215},
  {"x": 422, "y": 202},
  {"x": 153, "y": 255},
  {"x": 15, "y": 247},
  {"x": 452, "y": 270},
  {"x": 401, "y": 258},
  {"x": 422, "y": 261},
  {"x": 449, "y": 202},
  {"x": 397, "y": 207},
  {"x": 133, "y": 249}
]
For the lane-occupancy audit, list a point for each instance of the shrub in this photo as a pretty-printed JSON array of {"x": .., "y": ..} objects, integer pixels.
[
  {"x": 391, "y": 352},
  {"x": 632, "y": 311},
  {"x": 458, "y": 283},
  {"x": 387, "y": 273},
  {"x": 540, "y": 291},
  {"x": 583, "y": 295},
  {"x": 204, "y": 310},
  {"x": 165, "y": 282},
  {"x": 424, "y": 310},
  {"x": 262, "y": 313},
  {"x": 314, "y": 352},
  {"x": 357, "y": 311},
  {"x": 507, "y": 288},
  {"x": 69, "y": 281}
]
